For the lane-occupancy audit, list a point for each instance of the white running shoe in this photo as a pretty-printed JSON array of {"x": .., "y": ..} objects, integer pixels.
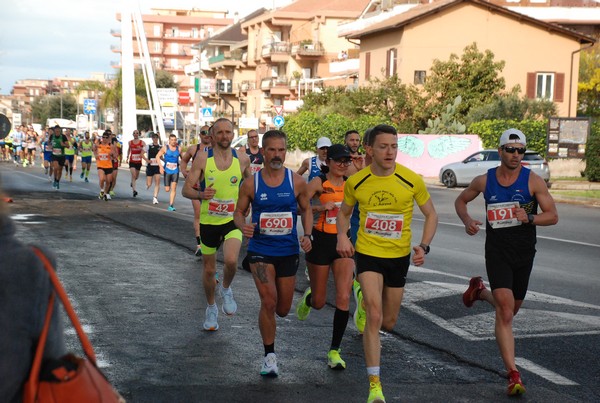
[
  {"x": 154, "y": 200},
  {"x": 269, "y": 366},
  {"x": 229, "y": 304},
  {"x": 210, "y": 322},
  {"x": 108, "y": 196}
]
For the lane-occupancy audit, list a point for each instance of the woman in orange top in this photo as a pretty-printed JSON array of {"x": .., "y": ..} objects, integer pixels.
[
  {"x": 105, "y": 152},
  {"x": 327, "y": 193}
]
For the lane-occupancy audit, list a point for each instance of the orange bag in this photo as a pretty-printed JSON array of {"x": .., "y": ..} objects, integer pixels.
[{"x": 71, "y": 378}]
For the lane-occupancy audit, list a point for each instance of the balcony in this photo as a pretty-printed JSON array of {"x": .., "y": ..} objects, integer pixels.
[
  {"x": 227, "y": 59},
  {"x": 115, "y": 48},
  {"x": 308, "y": 49},
  {"x": 279, "y": 85},
  {"x": 246, "y": 86},
  {"x": 277, "y": 52},
  {"x": 115, "y": 32}
]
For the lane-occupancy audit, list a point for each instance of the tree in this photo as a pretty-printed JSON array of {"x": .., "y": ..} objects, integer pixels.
[
  {"x": 512, "y": 107},
  {"x": 588, "y": 88},
  {"x": 475, "y": 76},
  {"x": 447, "y": 122}
]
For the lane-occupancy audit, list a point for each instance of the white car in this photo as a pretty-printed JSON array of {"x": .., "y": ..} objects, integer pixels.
[
  {"x": 463, "y": 172},
  {"x": 242, "y": 140}
]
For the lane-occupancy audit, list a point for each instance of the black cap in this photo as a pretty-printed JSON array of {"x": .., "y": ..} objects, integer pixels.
[{"x": 337, "y": 152}]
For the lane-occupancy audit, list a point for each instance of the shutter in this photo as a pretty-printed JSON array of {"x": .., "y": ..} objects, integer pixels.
[
  {"x": 559, "y": 87},
  {"x": 530, "y": 85},
  {"x": 388, "y": 57},
  {"x": 367, "y": 65}
]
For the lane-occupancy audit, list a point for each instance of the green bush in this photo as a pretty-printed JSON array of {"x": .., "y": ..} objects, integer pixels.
[
  {"x": 490, "y": 131},
  {"x": 592, "y": 155}
]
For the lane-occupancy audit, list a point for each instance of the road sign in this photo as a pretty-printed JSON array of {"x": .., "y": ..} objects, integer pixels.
[
  {"x": 278, "y": 120},
  {"x": 207, "y": 112},
  {"x": 89, "y": 106},
  {"x": 167, "y": 96},
  {"x": 278, "y": 109},
  {"x": 4, "y": 126},
  {"x": 16, "y": 119}
]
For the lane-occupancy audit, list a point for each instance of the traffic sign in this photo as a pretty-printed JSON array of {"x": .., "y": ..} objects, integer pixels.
[
  {"x": 4, "y": 126},
  {"x": 278, "y": 109},
  {"x": 207, "y": 112},
  {"x": 89, "y": 106},
  {"x": 278, "y": 120}
]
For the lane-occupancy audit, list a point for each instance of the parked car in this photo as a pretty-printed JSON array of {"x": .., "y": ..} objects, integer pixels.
[
  {"x": 461, "y": 173},
  {"x": 242, "y": 140}
]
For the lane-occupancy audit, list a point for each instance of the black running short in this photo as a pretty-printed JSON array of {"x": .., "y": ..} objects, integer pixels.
[
  {"x": 170, "y": 178},
  {"x": 152, "y": 170},
  {"x": 285, "y": 266},
  {"x": 60, "y": 159},
  {"x": 136, "y": 165},
  {"x": 507, "y": 269},
  {"x": 107, "y": 171},
  {"x": 323, "y": 249},
  {"x": 394, "y": 270}
]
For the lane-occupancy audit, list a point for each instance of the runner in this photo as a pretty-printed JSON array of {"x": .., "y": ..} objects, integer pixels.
[
  {"x": 313, "y": 165},
  {"x": 385, "y": 192},
  {"x": 152, "y": 167},
  {"x": 220, "y": 171},
  {"x": 70, "y": 154},
  {"x": 189, "y": 155},
  {"x": 171, "y": 155},
  {"x": 254, "y": 151},
  {"x": 59, "y": 141},
  {"x": 47, "y": 147},
  {"x": 352, "y": 141},
  {"x": 328, "y": 193},
  {"x": 116, "y": 162},
  {"x": 32, "y": 142},
  {"x": 104, "y": 153},
  {"x": 134, "y": 159},
  {"x": 276, "y": 194},
  {"x": 17, "y": 140},
  {"x": 87, "y": 150},
  {"x": 512, "y": 194}
]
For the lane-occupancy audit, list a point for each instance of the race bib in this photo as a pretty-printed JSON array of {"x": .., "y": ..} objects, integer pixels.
[
  {"x": 502, "y": 215},
  {"x": 57, "y": 151},
  {"x": 171, "y": 166},
  {"x": 387, "y": 226},
  {"x": 103, "y": 157},
  {"x": 136, "y": 158},
  {"x": 330, "y": 215},
  {"x": 221, "y": 208},
  {"x": 153, "y": 161},
  {"x": 254, "y": 168},
  {"x": 276, "y": 223}
]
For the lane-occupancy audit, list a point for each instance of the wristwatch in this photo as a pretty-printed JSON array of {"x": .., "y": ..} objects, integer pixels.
[
  {"x": 530, "y": 219},
  {"x": 309, "y": 236},
  {"x": 425, "y": 248}
]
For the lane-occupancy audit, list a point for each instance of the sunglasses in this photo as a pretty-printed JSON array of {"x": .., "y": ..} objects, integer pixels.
[
  {"x": 204, "y": 132},
  {"x": 343, "y": 163},
  {"x": 511, "y": 150}
]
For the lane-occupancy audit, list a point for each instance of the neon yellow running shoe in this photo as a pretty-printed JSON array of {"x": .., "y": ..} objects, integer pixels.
[
  {"x": 302, "y": 310},
  {"x": 360, "y": 316},
  {"x": 375, "y": 392},
  {"x": 334, "y": 360}
]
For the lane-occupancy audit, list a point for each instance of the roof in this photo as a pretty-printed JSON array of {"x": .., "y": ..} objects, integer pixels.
[
  {"x": 232, "y": 34},
  {"x": 423, "y": 11},
  {"x": 319, "y": 6}
]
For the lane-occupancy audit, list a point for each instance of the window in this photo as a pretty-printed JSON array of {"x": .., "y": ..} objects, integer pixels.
[
  {"x": 391, "y": 62},
  {"x": 194, "y": 32},
  {"x": 420, "y": 77},
  {"x": 367, "y": 65},
  {"x": 156, "y": 29},
  {"x": 544, "y": 87},
  {"x": 157, "y": 46}
]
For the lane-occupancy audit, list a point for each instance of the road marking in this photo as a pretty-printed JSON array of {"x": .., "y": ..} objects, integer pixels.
[
  {"x": 451, "y": 224},
  {"x": 544, "y": 372}
]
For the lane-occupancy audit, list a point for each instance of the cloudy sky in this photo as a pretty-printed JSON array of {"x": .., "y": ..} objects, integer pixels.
[{"x": 56, "y": 38}]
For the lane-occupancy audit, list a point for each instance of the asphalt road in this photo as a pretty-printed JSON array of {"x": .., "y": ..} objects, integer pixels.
[{"x": 129, "y": 269}]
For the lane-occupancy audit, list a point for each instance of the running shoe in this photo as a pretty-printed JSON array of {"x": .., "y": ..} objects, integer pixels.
[
  {"x": 375, "y": 392},
  {"x": 81, "y": 176},
  {"x": 154, "y": 200},
  {"x": 171, "y": 208},
  {"x": 112, "y": 193},
  {"x": 269, "y": 366},
  {"x": 198, "y": 250},
  {"x": 515, "y": 384},
  {"x": 210, "y": 322},
  {"x": 334, "y": 360},
  {"x": 302, "y": 309},
  {"x": 101, "y": 195},
  {"x": 135, "y": 193},
  {"x": 57, "y": 185},
  {"x": 473, "y": 292},
  {"x": 229, "y": 304},
  {"x": 107, "y": 197},
  {"x": 86, "y": 179},
  {"x": 360, "y": 316}
]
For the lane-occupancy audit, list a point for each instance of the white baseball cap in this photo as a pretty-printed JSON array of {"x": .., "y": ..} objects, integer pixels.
[
  {"x": 512, "y": 136},
  {"x": 323, "y": 142}
]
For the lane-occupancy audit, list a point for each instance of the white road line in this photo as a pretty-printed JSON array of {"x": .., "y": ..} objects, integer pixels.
[
  {"x": 544, "y": 372},
  {"x": 451, "y": 224}
]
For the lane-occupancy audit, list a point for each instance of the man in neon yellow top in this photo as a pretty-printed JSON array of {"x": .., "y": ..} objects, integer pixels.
[
  {"x": 385, "y": 192},
  {"x": 220, "y": 171},
  {"x": 86, "y": 150},
  {"x": 70, "y": 154}
]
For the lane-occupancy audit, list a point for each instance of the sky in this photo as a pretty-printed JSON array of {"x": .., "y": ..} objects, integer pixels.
[{"x": 44, "y": 39}]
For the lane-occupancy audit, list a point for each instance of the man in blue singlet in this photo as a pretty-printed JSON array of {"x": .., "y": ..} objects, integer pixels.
[
  {"x": 512, "y": 195},
  {"x": 170, "y": 153},
  {"x": 277, "y": 195},
  {"x": 313, "y": 164}
]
